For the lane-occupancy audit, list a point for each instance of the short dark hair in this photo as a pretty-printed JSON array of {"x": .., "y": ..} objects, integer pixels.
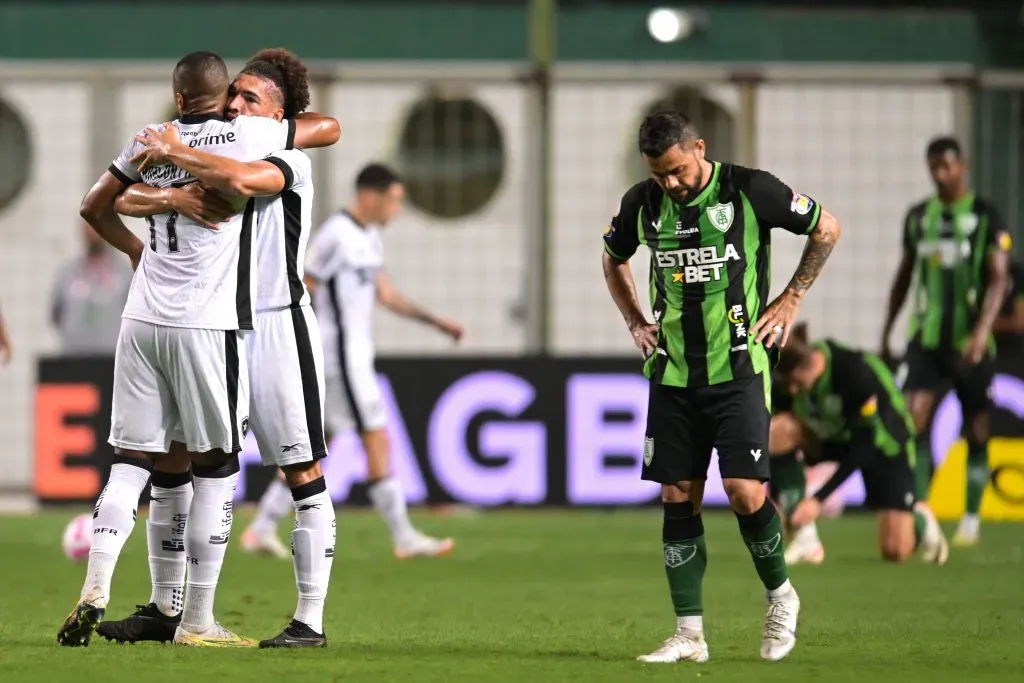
[
  {"x": 376, "y": 177},
  {"x": 286, "y": 71},
  {"x": 200, "y": 74},
  {"x": 796, "y": 351},
  {"x": 663, "y": 130},
  {"x": 939, "y": 146}
]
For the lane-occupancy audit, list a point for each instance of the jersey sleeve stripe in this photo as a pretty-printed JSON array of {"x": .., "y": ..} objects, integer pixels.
[
  {"x": 290, "y": 142},
  {"x": 815, "y": 219},
  {"x": 286, "y": 171},
  {"x": 119, "y": 174}
]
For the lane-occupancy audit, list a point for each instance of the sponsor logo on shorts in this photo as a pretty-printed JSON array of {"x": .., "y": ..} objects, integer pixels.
[
  {"x": 677, "y": 555},
  {"x": 648, "y": 450},
  {"x": 245, "y": 427},
  {"x": 288, "y": 449}
]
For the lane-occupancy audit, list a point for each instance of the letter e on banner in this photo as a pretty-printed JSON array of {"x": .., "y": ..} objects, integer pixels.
[{"x": 56, "y": 440}]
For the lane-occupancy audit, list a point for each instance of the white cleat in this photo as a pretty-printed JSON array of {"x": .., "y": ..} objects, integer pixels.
[
  {"x": 421, "y": 545},
  {"x": 215, "y": 636},
  {"x": 684, "y": 646},
  {"x": 779, "y": 636},
  {"x": 934, "y": 547},
  {"x": 968, "y": 531},
  {"x": 806, "y": 547},
  {"x": 266, "y": 544}
]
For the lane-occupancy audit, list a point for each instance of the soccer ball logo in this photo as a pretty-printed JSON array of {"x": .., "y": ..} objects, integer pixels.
[{"x": 78, "y": 537}]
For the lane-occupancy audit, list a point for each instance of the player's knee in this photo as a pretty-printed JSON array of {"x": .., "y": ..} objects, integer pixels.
[
  {"x": 216, "y": 466},
  {"x": 682, "y": 521},
  {"x": 746, "y": 496},
  {"x": 978, "y": 429},
  {"x": 785, "y": 434},
  {"x": 175, "y": 462},
  {"x": 684, "y": 492},
  {"x": 300, "y": 474},
  {"x": 893, "y": 550}
]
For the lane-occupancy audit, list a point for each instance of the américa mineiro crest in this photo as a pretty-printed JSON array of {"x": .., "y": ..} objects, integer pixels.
[{"x": 721, "y": 216}]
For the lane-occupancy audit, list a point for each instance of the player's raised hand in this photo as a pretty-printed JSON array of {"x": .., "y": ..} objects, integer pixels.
[
  {"x": 157, "y": 142},
  {"x": 775, "y": 323},
  {"x": 645, "y": 336},
  {"x": 450, "y": 328},
  {"x": 975, "y": 349},
  {"x": 207, "y": 207}
]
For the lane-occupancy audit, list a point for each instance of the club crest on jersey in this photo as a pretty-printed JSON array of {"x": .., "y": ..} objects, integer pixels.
[
  {"x": 721, "y": 216},
  {"x": 967, "y": 223}
]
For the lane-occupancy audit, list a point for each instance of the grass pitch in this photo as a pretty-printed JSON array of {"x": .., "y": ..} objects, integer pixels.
[{"x": 539, "y": 596}]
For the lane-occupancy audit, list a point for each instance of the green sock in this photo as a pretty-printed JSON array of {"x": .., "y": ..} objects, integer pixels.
[
  {"x": 762, "y": 532},
  {"x": 789, "y": 481},
  {"x": 977, "y": 475},
  {"x": 923, "y": 467},
  {"x": 920, "y": 524},
  {"x": 686, "y": 557}
]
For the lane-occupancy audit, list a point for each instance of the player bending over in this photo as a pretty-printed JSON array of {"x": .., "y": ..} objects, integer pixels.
[
  {"x": 285, "y": 356},
  {"x": 708, "y": 225},
  {"x": 180, "y": 366},
  {"x": 347, "y": 276},
  {"x": 955, "y": 247},
  {"x": 847, "y": 408}
]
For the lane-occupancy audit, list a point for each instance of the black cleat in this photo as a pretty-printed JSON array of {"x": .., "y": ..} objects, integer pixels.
[
  {"x": 296, "y": 634},
  {"x": 148, "y": 623},
  {"x": 77, "y": 629}
]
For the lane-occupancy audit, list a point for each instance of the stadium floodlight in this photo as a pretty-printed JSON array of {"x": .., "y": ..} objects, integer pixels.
[{"x": 668, "y": 25}]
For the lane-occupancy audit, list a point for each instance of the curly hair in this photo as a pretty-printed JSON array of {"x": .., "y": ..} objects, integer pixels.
[{"x": 287, "y": 72}]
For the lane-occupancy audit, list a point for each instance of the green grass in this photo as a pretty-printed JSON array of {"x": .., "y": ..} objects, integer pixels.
[{"x": 539, "y": 596}]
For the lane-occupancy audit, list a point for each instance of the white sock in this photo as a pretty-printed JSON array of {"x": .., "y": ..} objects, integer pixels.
[
  {"x": 206, "y": 542},
  {"x": 313, "y": 550},
  {"x": 808, "y": 533},
  {"x": 389, "y": 500},
  {"x": 693, "y": 623},
  {"x": 165, "y": 535},
  {"x": 782, "y": 590},
  {"x": 970, "y": 523},
  {"x": 275, "y": 503},
  {"x": 112, "y": 522}
]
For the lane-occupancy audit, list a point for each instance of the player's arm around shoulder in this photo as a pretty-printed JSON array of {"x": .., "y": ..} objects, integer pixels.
[{"x": 316, "y": 130}]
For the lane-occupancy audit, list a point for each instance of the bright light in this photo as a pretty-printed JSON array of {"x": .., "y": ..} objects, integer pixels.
[{"x": 669, "y": 25}]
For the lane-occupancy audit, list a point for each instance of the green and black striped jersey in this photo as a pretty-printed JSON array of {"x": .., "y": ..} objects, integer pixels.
[
  {"x": 710, "y": 268},
  {"x": 856, "y": 391},
  {"x": 949, "y": 243}
]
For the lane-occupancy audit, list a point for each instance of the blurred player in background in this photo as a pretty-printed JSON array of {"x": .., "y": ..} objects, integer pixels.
[
  {"x": 846, "y": 408},
  {"x": 955, "y": 248},
  {"x": 346, "y": 274},
  {"x": 180, "y": 371},
  {"x": 88, "y": 298},
  {"x": 707, "y": 225},
  {"x": 285, "y": 354}
]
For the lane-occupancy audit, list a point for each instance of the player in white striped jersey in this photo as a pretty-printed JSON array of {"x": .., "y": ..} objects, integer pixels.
[
  {"x": 286, "y": 362},
  {"x": 180, "y": 372},
  {"x": 346, "y": 265}
]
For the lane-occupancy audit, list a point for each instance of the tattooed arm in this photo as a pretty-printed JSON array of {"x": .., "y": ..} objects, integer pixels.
[{"x": 820, "y": 243}]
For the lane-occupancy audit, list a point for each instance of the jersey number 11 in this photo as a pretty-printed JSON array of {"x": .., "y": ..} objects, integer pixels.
[{"x": 172, "y": 232}]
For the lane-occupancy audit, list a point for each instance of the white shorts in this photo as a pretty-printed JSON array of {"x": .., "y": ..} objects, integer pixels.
[
  {"x": 179, "y": 384},
  {"x": 353, "y": 397},
  {"x": 286, "y": 366}
]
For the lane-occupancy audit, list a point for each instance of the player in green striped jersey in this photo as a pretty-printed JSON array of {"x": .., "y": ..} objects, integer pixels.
[
  {"x": 955, "y": 248},
  {"x": 846, "y": 408},
  {"x": 707, "y": 226}
]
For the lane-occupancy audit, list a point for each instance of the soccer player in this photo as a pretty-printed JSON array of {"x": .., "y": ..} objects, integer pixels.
[
  {"x": 848, "y": 409},
  {"x": 955, "y": 248},
  {"x": 346, "y": 268},
  {"x": 707, "y": 225},
  {"x": 285, "y": 354},
  {"x": 180, "y": 373}
]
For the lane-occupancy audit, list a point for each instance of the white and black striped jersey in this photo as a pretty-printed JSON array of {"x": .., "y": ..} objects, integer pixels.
[
  {"x": 345, "y": 258},
  {"x": 285, "y": 222},
  {"x": 191, "y": 276}
]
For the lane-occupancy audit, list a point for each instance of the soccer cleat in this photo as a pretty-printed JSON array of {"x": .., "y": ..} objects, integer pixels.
[
  {"x": 421, "y": 545},
  {"x": 683, "y": 646},
  {"x": 76, "y": 631},
  {"x": 968, "y": 532},
  {"x": 265, "y": 544},
  {"x": 779, "y": 636},
  {"x": 806, "y": 547},
  {"x": 296, "y": 635},
  {"x": 215, "y": 636},
  {"x": 148, "y": 623},
  {"x": 934, "y": 547}
]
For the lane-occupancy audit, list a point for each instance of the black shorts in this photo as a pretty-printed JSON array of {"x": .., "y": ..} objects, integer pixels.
[
  {"x": 685, "y": 424},
  {"x": 888, "y": 481},
  {"x": 936, "y": 371}
]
